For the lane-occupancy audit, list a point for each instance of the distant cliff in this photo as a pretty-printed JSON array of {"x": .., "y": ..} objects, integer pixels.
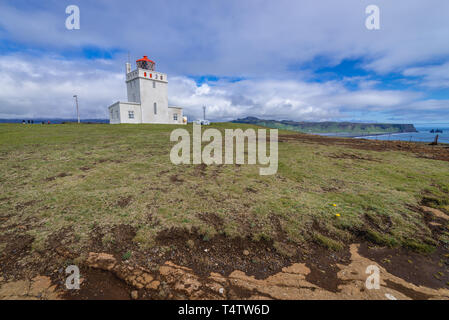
[{"x": 331, "y": 126}]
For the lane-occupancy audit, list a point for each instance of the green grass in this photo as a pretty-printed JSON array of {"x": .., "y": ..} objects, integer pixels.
[{"x": 57, "y": 176}]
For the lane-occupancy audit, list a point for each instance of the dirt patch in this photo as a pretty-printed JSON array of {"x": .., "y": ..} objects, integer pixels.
[
  {"x": 123, "y": 238},
  {"x": 23, "y": 205},
  {"x": 108, "y": 160},
  {"x": 431, "y": 270},
  {"x": 61, "y": 175},
  {"x": 172, "y": 281},
  {"x": 161, "y": 173},
  {"x": 85, "y": 168},
  {"x": 333, "y": 186},
  {"x": 323, "y": 265},
  {"x": 220, "y": 253},
  {"x": 415, "y": 295},
  {"x": 353, "y": 156},
  {"x": 117, "y": 240},
  {"x": 213, "y": 220},
  {"x": 99, "y": 285},
  {"x": 200, "y": 169},
  {"x": 421, "y": 150},
  {"x": 435, "y": 212},
  {"x": 17, "y": 247},
  {"x": 124, "y": 201},
  {"x": 175, "y": 179},
  {"x": 251, "y": 190},
  {"x": 380, "y": 223}
]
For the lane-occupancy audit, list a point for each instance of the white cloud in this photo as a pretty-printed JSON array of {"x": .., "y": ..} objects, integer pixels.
[
  {"x": 282, "y": 99},
  {"x": 238, "y": 38},
  {"x": 433, "y": 76},
  {"x": 43, "y": 87}
]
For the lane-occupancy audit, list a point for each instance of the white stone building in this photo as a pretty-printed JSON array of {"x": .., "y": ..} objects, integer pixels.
[{"x": 147, "y": 98}]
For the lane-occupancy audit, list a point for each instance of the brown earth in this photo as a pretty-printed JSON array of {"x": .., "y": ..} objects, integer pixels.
[
  {"x": 172, "y": 281},
  {"x": 184, "y": 264},
  {"x": 220, "y": 268},
  {"x": 421, "y": 150}
]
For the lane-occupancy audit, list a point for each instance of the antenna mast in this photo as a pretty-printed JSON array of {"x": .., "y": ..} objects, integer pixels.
[{"x": 77, "y": 110}]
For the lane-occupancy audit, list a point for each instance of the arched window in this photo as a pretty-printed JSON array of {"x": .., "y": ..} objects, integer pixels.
[{"x": 155, "y": 108}]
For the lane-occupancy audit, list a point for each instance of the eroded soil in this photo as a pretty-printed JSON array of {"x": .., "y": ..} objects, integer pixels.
[
  {"x": 219, "y": 268},
  {"x": 421, "y": 150}
]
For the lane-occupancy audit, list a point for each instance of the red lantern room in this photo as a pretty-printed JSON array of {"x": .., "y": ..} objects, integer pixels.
[{"x": 146, "y": 63}]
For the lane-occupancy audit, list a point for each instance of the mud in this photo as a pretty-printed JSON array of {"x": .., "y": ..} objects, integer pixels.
[{"x": 431, "y": 270}]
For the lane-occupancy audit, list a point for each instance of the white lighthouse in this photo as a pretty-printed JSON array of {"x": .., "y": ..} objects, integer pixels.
[{"x": 147, "y": 98}]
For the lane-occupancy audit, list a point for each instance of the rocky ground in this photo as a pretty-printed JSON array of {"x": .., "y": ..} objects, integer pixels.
[{"x": 178, "y": 282}]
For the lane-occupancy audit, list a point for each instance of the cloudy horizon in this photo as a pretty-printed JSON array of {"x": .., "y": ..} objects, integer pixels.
[{"x": 296, "y": 60}]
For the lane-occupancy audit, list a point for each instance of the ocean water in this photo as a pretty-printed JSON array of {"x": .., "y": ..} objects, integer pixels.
[{"x": 423, "y": 134}]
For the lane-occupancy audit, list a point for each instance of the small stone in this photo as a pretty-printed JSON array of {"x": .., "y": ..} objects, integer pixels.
[
  {"x": 153, "y": 285},
  {"x": 390, "y": 296},
  {"x": 221, "y": 290},
  {"x": 245, "y": 252},
  {"x": 134, "y": 295}
]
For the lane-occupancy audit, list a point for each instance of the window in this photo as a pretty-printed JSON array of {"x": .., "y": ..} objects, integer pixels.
[
  {"x": 175, "y": 117},
  {"x": 112, "y": 114},
  {"x": 155, "y": 108},
  {"x": 162, "y": 78},
  {"x": 154, "y": 84},
  {"x": 116, "y": 114},
  {"x": 131, "y": 114}
]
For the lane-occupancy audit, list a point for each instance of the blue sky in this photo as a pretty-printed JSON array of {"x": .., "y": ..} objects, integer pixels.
[{"x": 300, "y": 60}]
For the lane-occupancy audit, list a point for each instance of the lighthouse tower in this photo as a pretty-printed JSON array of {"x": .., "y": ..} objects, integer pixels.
[{"x": 147, "y": 97}]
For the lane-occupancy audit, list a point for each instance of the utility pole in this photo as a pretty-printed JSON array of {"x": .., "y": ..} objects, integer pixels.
[
  {"x": 77, "y": 110},
  {"x": 204, "y": 112}
]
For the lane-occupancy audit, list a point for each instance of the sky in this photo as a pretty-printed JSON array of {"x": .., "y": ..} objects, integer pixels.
[{"x": 303, "y": 60}]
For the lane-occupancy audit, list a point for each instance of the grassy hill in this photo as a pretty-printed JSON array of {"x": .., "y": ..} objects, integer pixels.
[
  {"x": 331, "y": 127},
  {"x": 113, "y": 188}
]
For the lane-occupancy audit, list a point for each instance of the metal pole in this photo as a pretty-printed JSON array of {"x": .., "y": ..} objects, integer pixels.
[
  {"x": 77, "y": 110},
  {"x": 204, "y": 112}
]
